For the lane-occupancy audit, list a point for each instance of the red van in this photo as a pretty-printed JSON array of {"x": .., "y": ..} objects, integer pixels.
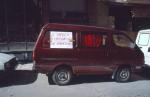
[{"x": 64, "y": 50}]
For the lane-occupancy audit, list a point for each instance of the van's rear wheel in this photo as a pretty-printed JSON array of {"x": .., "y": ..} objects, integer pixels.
[
  {"x": 62, "y": 76},
  {"x": 123, "y": 74}
]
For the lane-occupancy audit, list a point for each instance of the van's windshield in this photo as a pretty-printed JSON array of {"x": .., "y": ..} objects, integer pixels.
[{"x": 144, "y": 39}]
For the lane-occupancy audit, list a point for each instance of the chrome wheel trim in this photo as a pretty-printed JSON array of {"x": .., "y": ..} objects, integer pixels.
[
  {"x": 62, "y": 76},
  {"x": 124, "y": 74}
]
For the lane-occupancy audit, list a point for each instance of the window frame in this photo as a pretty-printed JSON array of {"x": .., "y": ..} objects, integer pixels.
[{"x": 102, "y": 34}]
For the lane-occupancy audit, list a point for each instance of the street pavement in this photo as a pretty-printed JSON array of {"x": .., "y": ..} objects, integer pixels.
[{"x": 27, "y": 83}]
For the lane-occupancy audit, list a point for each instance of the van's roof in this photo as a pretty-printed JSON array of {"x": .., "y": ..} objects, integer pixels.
[
  {"x": 145, "y": 30},
  {"x": 77, "y": 27}
]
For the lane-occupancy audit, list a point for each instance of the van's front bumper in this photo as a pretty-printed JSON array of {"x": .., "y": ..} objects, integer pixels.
[
  {"x": 146, "y": 66},
  {"x": 137, "y": 68}
]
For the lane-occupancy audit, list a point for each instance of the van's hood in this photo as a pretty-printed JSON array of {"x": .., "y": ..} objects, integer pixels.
[{"x": 5, "y": 58}]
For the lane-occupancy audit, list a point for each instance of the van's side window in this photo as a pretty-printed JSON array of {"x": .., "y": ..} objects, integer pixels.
[
  {"x": 58, "y": 39},
  {"x": 122, "y": 41},
  {"x": 93, "y": 40}
]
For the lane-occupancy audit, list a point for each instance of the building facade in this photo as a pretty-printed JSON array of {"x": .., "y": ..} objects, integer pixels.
[
  {"x": 21, "y": 20},
  {"x": 130, "y": 15}
]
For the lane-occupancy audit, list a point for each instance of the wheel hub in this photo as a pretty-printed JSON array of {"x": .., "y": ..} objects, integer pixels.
[
  {"x": 124, "y": 74},
  {"x": 62, "y": 76}
]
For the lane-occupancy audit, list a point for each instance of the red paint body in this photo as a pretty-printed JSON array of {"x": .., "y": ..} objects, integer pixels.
[{"x": 103, "y": 60}]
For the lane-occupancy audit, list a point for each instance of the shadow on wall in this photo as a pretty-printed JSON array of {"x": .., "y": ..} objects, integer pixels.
[{"x": 10, "y": 78}]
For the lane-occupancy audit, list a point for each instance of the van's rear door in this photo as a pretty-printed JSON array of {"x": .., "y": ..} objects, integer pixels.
[{"x": 57, "y": 47}]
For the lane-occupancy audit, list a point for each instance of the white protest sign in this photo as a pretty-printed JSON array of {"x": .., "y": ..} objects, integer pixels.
[{"x": 61, "y": 39}]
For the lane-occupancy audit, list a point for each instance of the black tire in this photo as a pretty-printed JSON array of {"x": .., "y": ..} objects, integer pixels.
[
  {"x": 50, "y": 80},
  {"x": 123, "y": 74},
  {"x": 62, "y": 76}
]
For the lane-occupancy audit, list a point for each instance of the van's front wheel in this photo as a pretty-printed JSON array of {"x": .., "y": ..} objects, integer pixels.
[
  {"x": 123, "y": 74},
  {"x": 62, "y": 76}
]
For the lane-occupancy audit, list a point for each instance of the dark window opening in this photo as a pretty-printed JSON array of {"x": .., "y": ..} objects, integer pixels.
[
  {"x": 19, "y": 20},
  {"x": 122, "y": 16},
  {"x": 140, "y": 23}
]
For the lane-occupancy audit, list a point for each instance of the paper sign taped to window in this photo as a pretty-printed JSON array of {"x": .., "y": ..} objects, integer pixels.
[{"x": 61, "y": 39}]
